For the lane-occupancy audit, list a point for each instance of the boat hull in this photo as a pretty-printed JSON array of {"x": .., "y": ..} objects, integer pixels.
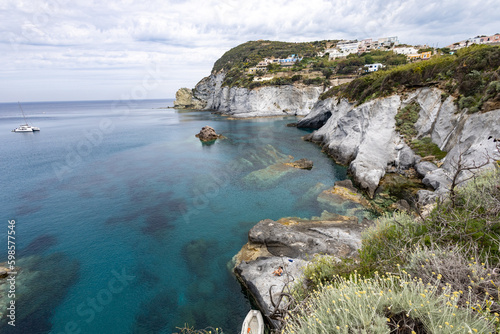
[{"x": 253, "y": 323}]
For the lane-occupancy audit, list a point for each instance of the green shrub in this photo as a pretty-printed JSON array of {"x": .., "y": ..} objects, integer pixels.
[
  {"x": 453, "y": 253},
  {"x": 384, "y": 304},
  {"x": 322, "y": 269},
  {"x": 425, "y": 147},
  {"x": 382, "y": 243},
  {"x": 406, "y": 119},
  {"x": 316, "y": 81},
  {"x": 459, "y": 268}
]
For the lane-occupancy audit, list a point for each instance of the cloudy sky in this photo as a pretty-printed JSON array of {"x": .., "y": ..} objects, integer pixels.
[{"x": 93, "y": 50}]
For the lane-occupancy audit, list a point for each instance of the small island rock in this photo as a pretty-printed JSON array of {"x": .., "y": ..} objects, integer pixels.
[{"x": 208, "y": 133}]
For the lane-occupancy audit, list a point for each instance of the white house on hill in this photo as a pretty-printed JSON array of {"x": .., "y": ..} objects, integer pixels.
[{"x": 373, "y": 67}]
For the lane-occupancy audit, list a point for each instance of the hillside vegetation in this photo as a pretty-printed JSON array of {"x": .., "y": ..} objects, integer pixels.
[
  {"x": 311, "y": 70},
  {"x": 250, "y": 53},
  {"x": 437, "y": 274},
  {"x": 472, "y": 75}
]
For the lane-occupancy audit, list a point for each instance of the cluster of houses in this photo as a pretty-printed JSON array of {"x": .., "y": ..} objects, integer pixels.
[
  {"x": 284, "y": 62},
  {"x": 492, "y": 40},
  {"x": 345, "y": 48}
]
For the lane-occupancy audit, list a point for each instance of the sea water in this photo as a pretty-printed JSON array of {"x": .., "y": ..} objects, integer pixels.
[{"x": 127, "y": 223}]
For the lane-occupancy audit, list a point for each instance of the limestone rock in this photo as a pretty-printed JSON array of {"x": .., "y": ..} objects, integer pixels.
[
  {"x": 425, "y": 167},
  {"x": 319, "y": 114},
  {"x": 264, "y": 101},
  {"x": 364, "y": 137},
  {"x": 257, "y": 277},
  {"x": 346, "y": 184},
  {"x": 426, "y": 197},
  {"x": 301, "y": 238},
  {"x": 184, "y": 99},
  {"x": 301, "y": 164},
  {"x": 290, "y": 242},
  {"x": 437, "y": 179},
  {"x": 208, "y": 133},
  {"x": 406, "y": 158}
]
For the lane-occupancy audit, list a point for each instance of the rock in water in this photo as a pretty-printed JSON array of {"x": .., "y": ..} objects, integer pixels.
[
  {"x": 208, "y": 133},
  {"x": 184, "y": 99},
  {"x": 301, "y": 163}
]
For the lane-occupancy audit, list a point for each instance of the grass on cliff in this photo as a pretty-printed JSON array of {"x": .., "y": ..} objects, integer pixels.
[
  {"x": 453, "y": 253},
  {"x": 405, "y": 125},
  {"x": 472, "y": 74}
]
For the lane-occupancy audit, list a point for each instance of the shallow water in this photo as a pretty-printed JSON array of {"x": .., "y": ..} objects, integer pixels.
[{"x": 143, "y": 218}]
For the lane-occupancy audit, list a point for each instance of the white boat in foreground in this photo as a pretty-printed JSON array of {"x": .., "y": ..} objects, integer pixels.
[{"x": 253, "y": 323}]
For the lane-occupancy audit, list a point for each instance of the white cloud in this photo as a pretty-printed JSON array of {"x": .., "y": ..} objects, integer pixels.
[{"x": 83, "y": 39}]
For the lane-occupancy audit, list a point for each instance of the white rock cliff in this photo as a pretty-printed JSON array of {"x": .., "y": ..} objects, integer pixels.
[
  {"x": 262, "y": 101},
  {"x": 365, "y": 137}
]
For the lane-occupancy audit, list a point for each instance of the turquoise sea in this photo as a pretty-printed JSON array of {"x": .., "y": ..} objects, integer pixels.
[{"x": 127, "y": 223}]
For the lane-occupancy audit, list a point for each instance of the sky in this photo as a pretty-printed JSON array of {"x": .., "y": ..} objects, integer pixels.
[{"x": 63, "y": 50}]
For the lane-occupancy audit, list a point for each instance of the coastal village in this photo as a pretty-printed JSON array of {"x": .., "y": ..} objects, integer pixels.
[{"x": 343, "y": 49}]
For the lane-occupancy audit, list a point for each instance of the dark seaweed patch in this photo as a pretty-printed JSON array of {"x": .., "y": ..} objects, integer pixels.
[{"x": 39, "y": 245}]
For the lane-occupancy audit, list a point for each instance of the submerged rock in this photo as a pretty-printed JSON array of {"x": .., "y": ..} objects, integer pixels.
[
  {"x": 208, "y": 133},
  {"x": 268, "y": 177},
  {"x": 36, "y": 300},
  {"x": 301, "y": 164},
  {"x": 262, "y": 157},
  {"x": 312, "y": 193},
  {"x": 343, "y": 198}
]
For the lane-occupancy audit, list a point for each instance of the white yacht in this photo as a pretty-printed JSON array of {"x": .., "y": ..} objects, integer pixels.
[{"x": 23, "y": 128}]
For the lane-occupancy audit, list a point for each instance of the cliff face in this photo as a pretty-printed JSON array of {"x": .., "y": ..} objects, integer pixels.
[
  {"x": 184, "y": 99},
  {"x": 263, "y": 101},
  {"x": 365, "y": 137}
]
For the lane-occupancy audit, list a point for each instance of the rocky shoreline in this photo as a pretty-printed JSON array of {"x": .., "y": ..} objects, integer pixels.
[
  {"x": 363, "y": 137},
  {"x": 292, "y": 242}
]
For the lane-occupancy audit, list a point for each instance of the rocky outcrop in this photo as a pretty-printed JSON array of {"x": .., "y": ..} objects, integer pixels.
[
  {"x": 208, "y": 133},
  {"x": 290, "y": 243},
  {"x": 184, "y": 99},
  {"x": 301, "y": 164},
  {"x": 322, "y": 111},
  {"x": 262, "y": 101},
  {"x": 365, "y": 137}
]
